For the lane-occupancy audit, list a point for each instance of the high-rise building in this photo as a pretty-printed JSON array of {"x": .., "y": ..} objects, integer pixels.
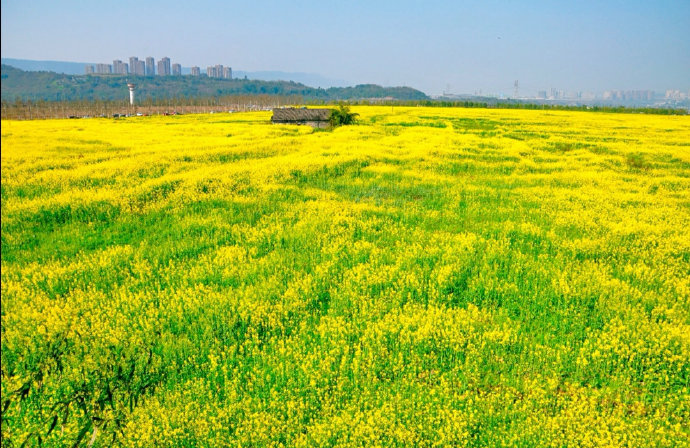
[
  {"x": 120, "y": 68},
  {"x": 140, "y": 68},
  {"x": 176, "y": 70},
  {"x": 104, "y": 69},
  {"x": 150, "y": 67},
  {"x": 137, "y": 67},
  {"x": 164, "y": 67},
  {"x": 89, "y": 69},
  {"x": 196, "y": 71},
  {"x": 218, "y": 71},
  {"x": 675, "y": 94}
]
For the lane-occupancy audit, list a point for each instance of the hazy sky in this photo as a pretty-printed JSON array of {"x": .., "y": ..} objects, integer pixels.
[{"x": 436, "y": 46}]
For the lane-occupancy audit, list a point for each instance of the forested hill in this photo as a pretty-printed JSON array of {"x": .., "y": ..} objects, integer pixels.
[{"x": 50, "y": 86}]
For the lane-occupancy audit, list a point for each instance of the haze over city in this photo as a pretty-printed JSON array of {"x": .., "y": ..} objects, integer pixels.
[{"x": 476, "y": 47}]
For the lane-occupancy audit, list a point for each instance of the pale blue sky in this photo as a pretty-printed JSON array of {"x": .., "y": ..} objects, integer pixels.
[{"x": 430, "y": 45}]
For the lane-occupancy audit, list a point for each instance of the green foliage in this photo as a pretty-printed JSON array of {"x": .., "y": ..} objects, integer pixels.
[
  {"x": 50, "y": 86},
  {"x": 342, "y": 116}
]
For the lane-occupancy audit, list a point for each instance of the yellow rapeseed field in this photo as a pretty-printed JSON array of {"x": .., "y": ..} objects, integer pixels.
[{"x": 427, "y": 277}]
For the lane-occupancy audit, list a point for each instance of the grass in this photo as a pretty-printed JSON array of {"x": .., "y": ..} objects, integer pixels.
[{"x": 430, "y": 276}]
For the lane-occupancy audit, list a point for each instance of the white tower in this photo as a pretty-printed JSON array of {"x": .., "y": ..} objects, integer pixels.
[{"x": 132, "y": 87}]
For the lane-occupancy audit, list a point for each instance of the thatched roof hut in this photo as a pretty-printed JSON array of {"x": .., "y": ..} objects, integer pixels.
[{"x": 318, "y": 118}]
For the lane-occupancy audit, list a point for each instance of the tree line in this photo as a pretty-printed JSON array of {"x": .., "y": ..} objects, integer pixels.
[{"x": 42, "y": 109}]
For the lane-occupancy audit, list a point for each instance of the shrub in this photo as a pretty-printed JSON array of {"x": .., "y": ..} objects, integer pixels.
[{"x": 342, "y": 116}]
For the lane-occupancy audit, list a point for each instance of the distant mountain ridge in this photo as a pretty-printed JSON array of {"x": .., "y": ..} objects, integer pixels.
[
  {"x": 50, "y": 86},
  {"x": 68, "y": 68},
  {"x": 77, "y": 68}
]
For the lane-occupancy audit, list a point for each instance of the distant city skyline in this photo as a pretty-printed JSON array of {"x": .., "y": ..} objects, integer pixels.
[
  {"x": 148, "y": 66},
  {"x": 220, "y": 71},
  {"x": 435, "y": 46},
  {"x": 647, "y": 97}
]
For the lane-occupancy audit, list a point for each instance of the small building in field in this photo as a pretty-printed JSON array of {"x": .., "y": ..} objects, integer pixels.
[{"x": 316, "y": 118}]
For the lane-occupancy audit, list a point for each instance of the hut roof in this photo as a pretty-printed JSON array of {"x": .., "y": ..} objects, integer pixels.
[{"x": 293, "y": 115}]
